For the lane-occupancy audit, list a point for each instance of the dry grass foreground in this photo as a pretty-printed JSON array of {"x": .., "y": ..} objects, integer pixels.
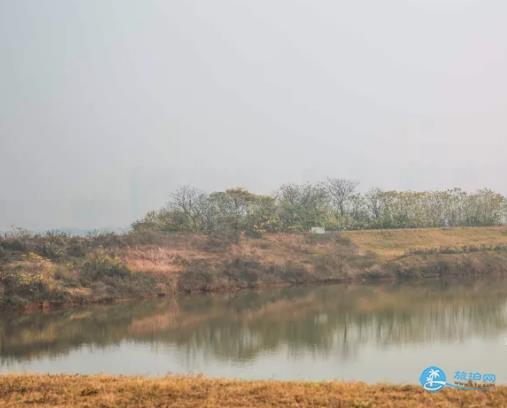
[{"x": 102, "y": 391}]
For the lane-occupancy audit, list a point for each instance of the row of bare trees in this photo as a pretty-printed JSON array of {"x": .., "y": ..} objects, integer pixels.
[{"x": 334, "y": 204}]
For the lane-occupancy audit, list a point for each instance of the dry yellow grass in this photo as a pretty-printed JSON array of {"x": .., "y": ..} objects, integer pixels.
[
  {"x": 391, "y": 244},
  {"x": 190, "y": 264},
  {"x": 161, "y": 260},
  {"x": 272, "y": 249},
  {"x": 102, "y": 391},
  {"x": 195, "y": 263},
  {"x": 278, "y": 249}
]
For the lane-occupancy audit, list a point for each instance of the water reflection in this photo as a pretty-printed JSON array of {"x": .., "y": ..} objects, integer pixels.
[{"x": 292, "y": 323}]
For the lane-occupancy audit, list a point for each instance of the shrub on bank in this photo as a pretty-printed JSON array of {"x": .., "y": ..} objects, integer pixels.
[{"x": 99, "y": 266}]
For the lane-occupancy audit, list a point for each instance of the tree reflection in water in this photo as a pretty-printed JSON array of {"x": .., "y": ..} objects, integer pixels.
[{"x": 238, "y": 327}]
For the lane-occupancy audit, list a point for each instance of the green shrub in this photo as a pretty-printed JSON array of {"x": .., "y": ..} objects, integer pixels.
[
  {"x": 197, "y": 277},
  {"x": 99, "y": 266},
  {"x": 66, "y": 274},
  {"x": 26, "y": 286}
]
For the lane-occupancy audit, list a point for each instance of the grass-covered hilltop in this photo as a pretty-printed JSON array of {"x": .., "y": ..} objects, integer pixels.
[{"x": 235, "y": 239}]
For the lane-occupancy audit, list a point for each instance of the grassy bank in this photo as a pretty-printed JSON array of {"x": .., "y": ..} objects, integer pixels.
[
  {"x": 42, "y": 271},
  {"x": 101, "y": 391}
]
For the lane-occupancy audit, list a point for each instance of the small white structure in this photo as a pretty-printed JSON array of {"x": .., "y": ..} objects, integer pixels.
[{"x": 318, "y": 230}]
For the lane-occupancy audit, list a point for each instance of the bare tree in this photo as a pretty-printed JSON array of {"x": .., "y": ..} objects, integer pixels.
[
  {"x": 191, "y": 202},
  {"x": 333, "y": 204},
  {"x": 340, "y": 191},
  {"x": 303, "y": 205},
  {"x": 375, "y": 203}
]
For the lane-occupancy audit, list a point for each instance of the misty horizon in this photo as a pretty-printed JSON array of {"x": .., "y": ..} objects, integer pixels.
[
  {"x": 106, "y": 108},
  {"x": 83, "y": 230}
]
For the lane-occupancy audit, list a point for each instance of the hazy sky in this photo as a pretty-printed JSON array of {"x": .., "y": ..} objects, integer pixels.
[{"x": 107, "y": 106}]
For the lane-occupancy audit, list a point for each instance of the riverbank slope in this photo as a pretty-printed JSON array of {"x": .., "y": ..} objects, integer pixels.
[
  {"x": 102, "y": 391},
  {"x": 42, "y": 271}
]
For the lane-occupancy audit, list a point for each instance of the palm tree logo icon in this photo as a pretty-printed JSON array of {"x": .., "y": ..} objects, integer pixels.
[
  {"x": 434, "y": 373},
  {"x": 433, "y": 379}
]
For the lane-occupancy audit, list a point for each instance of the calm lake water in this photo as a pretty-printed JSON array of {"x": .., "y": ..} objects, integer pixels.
[{"x": 347, "y": 332}]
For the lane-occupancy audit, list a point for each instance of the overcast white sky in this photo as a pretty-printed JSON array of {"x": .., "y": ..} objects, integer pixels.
[{"x": 107, "y": 106}]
